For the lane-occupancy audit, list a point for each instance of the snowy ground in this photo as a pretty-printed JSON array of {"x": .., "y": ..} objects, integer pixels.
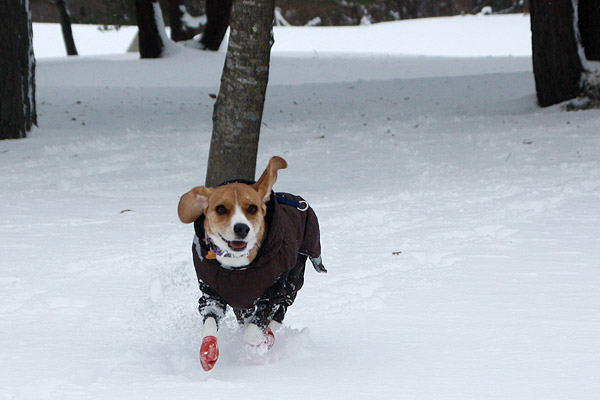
[
  {"x": 460, "y": 228},
  {"x": 478, "y": 35}
]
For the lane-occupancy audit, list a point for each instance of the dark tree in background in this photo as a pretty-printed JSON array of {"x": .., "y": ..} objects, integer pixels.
[
  {"x": 179, "y": 30},
  {"x": 589, "y": 26},
  {"x": 238, "y": 110},
  {"x": 17, "y": 70},
  {"x": 296, "y": 12},
  {"x": 218, "y": 13},
  {"x": 65, "y": 24},
  {"x": 556, "y": 63},
  {"x": 589, "y": 29},
  {"x": 149, "y": 38},
  {"x": 559, "y": 67}
]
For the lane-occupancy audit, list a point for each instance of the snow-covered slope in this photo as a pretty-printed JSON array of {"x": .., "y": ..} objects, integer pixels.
[
  {"x": 459, "y": 225},
  {"x": 463, "y": 36}
]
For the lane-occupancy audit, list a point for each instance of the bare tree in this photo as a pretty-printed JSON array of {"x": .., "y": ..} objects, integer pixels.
[
  {"x": 238, "y": 110},
  {"x": 589, "y": 26},
  {"x": 65, "y": 24},
  {"x": 17, "y": 70},
  {"x": 561, "y": 49},
  {"x": 179, "y": 30},
  {"x": 218, "y": 13},
  {"x": 150, "y": 41}
]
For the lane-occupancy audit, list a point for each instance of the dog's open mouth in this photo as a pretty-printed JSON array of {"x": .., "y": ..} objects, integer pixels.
[{"x": 236, "y": 245}]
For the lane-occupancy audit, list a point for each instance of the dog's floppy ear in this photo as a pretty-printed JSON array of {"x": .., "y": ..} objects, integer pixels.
[
  {"x": 193, "y": 203},
  {"x": 264, "y": 185}
]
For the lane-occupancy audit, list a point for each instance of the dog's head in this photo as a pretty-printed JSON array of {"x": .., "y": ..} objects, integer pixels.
[{"x": 234, "y": 214}]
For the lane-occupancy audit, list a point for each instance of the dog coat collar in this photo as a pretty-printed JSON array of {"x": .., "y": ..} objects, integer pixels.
[
  {"x": 301, "y": 205},
  {"x": 217, "y": 251}
]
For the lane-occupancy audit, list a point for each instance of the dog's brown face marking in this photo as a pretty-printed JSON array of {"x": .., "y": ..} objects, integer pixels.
[
  {"x": 231, "y": 204},
  {"x": 234, "y": 214}
]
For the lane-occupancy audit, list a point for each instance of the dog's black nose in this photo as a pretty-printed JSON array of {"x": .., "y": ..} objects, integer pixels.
[{"x": 241, "y": 230}]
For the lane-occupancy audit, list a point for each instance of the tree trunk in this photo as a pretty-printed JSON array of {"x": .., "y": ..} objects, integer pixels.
[
  {"x": 149, "y": 39},
  {"x": 238, "y": 110},
  {"x": 179, "y": 30},
  {"x": 556, "y": 63},
  {"x": 17, "y": 70},
  {"x": 589, "y": 27},
  {"x": 65, "y": 24},
  {"x": 217, "y": 21}
]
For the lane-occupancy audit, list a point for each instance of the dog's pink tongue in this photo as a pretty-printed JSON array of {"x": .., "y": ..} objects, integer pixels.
[{"x": 238, "y": 244}]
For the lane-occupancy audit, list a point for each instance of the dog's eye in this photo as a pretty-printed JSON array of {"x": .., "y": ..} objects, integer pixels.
[
  {"x": 221, "y": 210},
  {"x": 252, "y": 209}
]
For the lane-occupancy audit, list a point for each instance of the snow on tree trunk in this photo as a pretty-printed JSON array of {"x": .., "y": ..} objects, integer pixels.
[
  {"x": 150, "y": 41},
  {"x": 169, "y": 47},
  {"x": 238, "y": 110},
  {"x": 218, "y": 13},
  {"x": 175, "y": 20},
  {"x": 279, "y": 18},
  {"x": 17, "y": 70},
  {"x": 557, "y": 66},
  {"x": 65, "y": 24},
  {"x": 180, "y": 31}
]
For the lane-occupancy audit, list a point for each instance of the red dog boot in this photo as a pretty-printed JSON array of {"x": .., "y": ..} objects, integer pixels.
[
  {"x": 258, "y": 338},
  {"x": 269, "y": 338},
  {"x": 209, "y": 352}
]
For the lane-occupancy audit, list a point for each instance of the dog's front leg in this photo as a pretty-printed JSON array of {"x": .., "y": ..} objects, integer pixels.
[
  {"x": 256, "y": 336},
  {"x": 260, "y": 330},
  {"x": 272, "y": 306},
  {"x": 209, "y": 328},
  {"x": 209, "y": 350},
  {"x": 212, "y": 308}
]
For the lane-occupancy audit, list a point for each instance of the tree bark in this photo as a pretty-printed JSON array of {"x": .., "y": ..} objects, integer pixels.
[
  {"x": 589, "y": 28},
  {"x": 17, "y": 70},
  {"x": 238, "y": 110},
  {"x": 218, "y": 13},
  {"x": 65, "y": 24},
  {"x": 556, "y": 64},
  {"x": 150, "y": 42}
]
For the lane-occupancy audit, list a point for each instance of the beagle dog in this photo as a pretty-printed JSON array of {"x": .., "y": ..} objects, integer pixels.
[{"x": 249, "y": 252}]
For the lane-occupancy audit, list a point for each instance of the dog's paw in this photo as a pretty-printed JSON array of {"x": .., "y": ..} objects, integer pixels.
[
  {"x": 209, "y": 353},
  {"x": 274, "y": 326},
  {"x": 269, "y": 339},
  {"x": 253, "y": 335}
]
